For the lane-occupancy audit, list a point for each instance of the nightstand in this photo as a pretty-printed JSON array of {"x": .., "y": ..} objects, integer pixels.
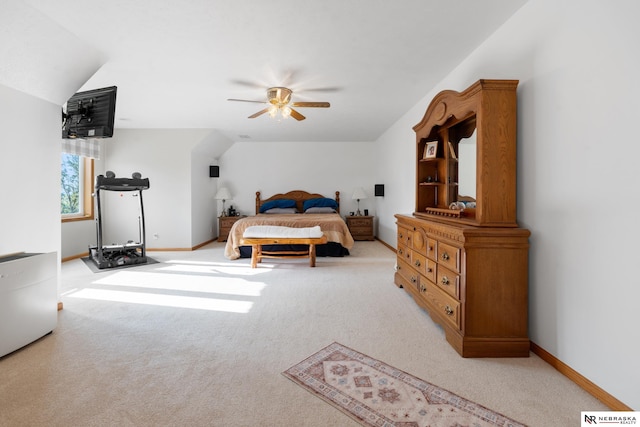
[
  {"x": 361, "y": 227},
  {"x": 224, "y": 226}
]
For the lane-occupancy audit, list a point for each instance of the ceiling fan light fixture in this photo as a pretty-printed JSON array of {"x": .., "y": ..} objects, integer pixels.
[{"x": 278, "y": 99}]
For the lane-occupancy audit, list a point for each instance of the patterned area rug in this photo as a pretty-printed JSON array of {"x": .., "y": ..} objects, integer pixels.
[{"x": 376, "y": 394}]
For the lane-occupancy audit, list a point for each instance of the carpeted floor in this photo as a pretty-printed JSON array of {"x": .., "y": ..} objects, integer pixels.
[
  {"x": 376, "y": 394},
  {"x": 199, "y": 340}
]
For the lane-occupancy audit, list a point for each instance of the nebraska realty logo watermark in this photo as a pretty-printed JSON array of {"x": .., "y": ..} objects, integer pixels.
[{"x": 594, "y": 418}]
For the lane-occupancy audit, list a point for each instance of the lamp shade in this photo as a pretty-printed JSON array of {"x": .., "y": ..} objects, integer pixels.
[
  {"x": 223, "y": 194},
  {"x": 359, "y": 194}
]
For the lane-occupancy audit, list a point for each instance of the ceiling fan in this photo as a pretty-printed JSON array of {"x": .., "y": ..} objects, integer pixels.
[{"x": 279, "y": 99}]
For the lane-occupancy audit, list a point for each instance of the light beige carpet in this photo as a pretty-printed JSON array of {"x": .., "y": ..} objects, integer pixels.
[{"x": 198, "y": 340}]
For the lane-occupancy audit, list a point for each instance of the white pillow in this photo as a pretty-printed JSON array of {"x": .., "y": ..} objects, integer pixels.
[
  {"x": 281, "y": 211},
  {"x": 278, "y": 231},
  {"x": 318, "y": 209}
]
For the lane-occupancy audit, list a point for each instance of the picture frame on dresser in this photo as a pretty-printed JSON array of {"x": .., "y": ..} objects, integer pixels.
[{"x": 430, "y": 150}]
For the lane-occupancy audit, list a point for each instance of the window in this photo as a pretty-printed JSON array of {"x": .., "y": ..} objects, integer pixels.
[{"x": 76, "y": 187}]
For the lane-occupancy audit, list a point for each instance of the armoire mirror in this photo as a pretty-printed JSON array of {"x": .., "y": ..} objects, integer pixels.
[
  {"x": 462, "y": 140},
  {"x": 467, "y": 168}
]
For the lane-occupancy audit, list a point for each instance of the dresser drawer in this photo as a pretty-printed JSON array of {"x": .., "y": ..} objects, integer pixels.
[
  {"x": 405, "y": 236},
  {"x": 449, "y": 256},
  {"x": 403, "y": 252},
  {"x": 425, "y": 266},
  {"x": 408, "y": 274},
  {"x": 442, "y": 305},
  {"x": 431, "y": 248},
  {"x": 448, "y": 281}
]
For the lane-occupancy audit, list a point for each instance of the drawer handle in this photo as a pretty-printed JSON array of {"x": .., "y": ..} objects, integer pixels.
[
  {"x": 400, "y": 234},
  {"x": 400, "y": 251},
  {"x": 417, "y": 263},
  {"x": 423, "y": 288},
  {"x": 429, "y": 269},
  {"x": 445, "y": 280},
  {"x": 448, "y": 310},
  {"x": 430, "y": 248},
  {"x": 445, "y": 256},
  {"x": 414, "y": 279}
]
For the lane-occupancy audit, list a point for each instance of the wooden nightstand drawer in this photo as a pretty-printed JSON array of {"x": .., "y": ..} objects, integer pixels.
[
  {"x": 224, "y": 226},
  {"x": 360, "y": 227},
  {"x": 361, "y": 221}
]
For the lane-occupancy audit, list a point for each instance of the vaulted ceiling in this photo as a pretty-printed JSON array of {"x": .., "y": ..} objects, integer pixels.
[{"x": 176, "y": 63}]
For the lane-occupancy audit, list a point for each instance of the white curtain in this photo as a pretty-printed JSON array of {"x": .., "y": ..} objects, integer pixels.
[{"x": 82, "y": 147}]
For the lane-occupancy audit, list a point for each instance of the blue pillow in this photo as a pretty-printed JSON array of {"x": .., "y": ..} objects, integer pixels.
[
  {"x": 319, "y": 203},
  {"x": 279, "y": 203}
]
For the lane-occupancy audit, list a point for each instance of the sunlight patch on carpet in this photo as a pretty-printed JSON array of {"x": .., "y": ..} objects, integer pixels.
[
  {"x": 184, "y": 282},
  {"x": 376, "y": 394},
  {"x": 209, "y": 267},
  {"x": 178, "y": 301}
]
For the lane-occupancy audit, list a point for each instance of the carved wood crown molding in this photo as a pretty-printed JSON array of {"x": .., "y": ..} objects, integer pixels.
[{"x": 451, "y": 105}]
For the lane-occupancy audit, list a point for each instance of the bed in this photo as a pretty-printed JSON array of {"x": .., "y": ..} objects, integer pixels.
[{"x": 312, "y": 210}]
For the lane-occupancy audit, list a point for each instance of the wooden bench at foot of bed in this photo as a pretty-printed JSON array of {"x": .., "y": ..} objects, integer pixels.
[{"x": 257, "y": 253}]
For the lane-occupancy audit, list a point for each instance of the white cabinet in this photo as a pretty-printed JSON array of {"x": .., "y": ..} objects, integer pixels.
[{"x": 28, "y": 298}]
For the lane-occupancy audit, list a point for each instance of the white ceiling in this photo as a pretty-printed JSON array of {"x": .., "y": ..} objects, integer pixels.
[{"x": 176, "y": 62}]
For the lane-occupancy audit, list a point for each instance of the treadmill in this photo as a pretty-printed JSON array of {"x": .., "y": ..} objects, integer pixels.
[{"x": 110, "y": 256}]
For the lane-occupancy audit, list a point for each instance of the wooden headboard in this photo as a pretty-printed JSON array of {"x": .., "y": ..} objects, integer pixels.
[{"x": 298, "y": 195}]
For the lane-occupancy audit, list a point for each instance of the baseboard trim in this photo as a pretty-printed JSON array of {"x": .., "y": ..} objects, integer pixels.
[
  {"x": 386, "y": 244},
  {"x": 69, "y": 258},
  {"x": 584, "y": 383},
  {"x": 86, "y": 254},
  {"x": 203, "y": 244}
]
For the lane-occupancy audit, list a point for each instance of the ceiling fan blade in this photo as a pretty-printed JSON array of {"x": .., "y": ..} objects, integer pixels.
[
  {"x": 297, "y": 115},
  {"x": 259, "y": 113},
  {"x": 320, "y": 89},
  {"x": 248, "y": 83},
  {"x": 245, "y": 100},
  {"x": 312, "y": 104}
]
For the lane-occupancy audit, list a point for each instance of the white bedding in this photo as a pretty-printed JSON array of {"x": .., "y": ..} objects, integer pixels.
[{"x": 277, "y": 231}]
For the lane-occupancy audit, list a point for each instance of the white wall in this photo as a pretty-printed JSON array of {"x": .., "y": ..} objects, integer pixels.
[
  {"x": 579, "y": 101},
  {"x": 316, "y": 167},
  {"x": 164, "y": 156},
  {"x": 204, "y": 226},
  {"x": 30, "y": 173}
]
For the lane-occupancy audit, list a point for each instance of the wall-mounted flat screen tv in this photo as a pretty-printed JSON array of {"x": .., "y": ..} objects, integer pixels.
[{"x": 90, "y": 114}]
